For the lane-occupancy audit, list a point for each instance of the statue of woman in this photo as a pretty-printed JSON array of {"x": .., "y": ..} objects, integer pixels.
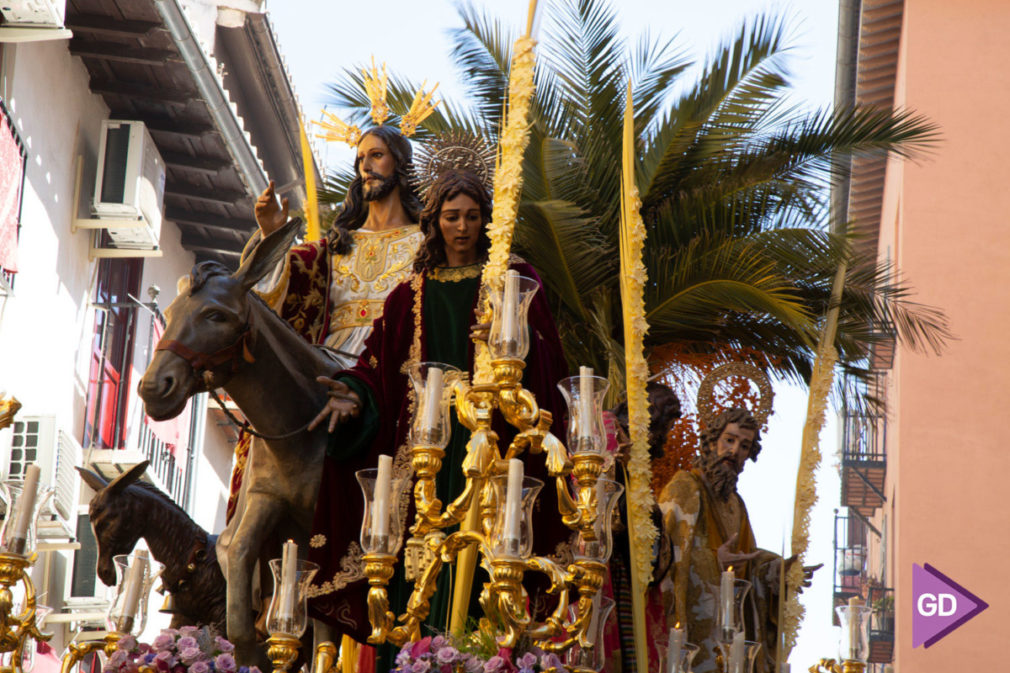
[{"x": 428, "y": 318}]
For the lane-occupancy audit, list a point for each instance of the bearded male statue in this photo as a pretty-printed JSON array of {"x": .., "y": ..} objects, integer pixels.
[{"x": 706, "y": 523}]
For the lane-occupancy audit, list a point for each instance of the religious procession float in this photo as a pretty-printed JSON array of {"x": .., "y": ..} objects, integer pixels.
[{"x": 478, "y": 508}]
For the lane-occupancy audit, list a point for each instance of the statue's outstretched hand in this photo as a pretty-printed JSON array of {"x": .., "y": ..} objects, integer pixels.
[
  {"x": 481, "y": 331},
  {"x": 269, "y": 215},
  {"x": 808, "y": 572},
  {"x": 343, "y": 405},
  {"x": 727, "y": 557}
]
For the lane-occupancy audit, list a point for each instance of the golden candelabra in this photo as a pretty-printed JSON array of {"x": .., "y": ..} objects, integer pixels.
[
  {"x": 831, "y": 666},
  {"x": 485, "y": 468},
  {"x": 15, "y": 630},
  {"x": 77, "y": 651}
]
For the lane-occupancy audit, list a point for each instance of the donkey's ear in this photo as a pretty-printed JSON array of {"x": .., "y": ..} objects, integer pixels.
[
  {"x": 128, "y": 477},
  {"x": 96, "y": 481},
  {"x": 267, "y": 253}
]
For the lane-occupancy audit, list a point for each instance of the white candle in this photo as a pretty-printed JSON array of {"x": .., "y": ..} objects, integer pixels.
[
  {"x": 383, "y": 483},
  {"x": 513, "y": 506},
  {"x": 673, "y": 648},
  {"x": 726, "y": 596},
  {"x": 24, "y": 508},
  {"x": 854, "y": 627},
  {"x": 594, "y": 621},
  {"x": 585, "y": 403},
  {"x": 432, "y": 399},
  {"x": 510, "y": 306},
  {"x": 289, "y": 568},
  {"x": 736, "y": 653},
  {"x": 134, "y": 583}
]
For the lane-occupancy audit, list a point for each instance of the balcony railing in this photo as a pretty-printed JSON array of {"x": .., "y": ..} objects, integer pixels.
[
  {"x": 849, "y": 572},
  {"x": 881, "y": 600},
  {"x": 174, "y": 479},
  {"x": 864, "y": 462}
]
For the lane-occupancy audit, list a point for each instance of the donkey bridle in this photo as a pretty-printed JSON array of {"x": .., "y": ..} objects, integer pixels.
[{"x": 203, "y": 362}]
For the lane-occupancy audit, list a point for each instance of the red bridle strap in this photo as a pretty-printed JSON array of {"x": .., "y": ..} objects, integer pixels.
[{"x": 201, "y": 362}]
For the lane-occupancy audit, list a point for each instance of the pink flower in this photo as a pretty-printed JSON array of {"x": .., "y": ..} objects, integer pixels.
[
  {"x": 186, "y": 642},
  {"x": 118, "y": 659},
  {"x": 128, "y": 643},
  {"x": 223, "y": 644},
  {"x": 164, "y": 641},
  {"x": 191, "y": 655},
  {"x": 189, "y": 631},
  {"x": 224, "y": 662},
  {"x": 199, "y": 667},
  {"x": 164, "y": 661},
  {"x": 423, "y": 646},
  {"x": 495, "y": 665}
]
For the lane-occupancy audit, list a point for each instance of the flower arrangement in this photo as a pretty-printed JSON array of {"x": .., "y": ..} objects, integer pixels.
[
  {"x": 185, "y": 650},
  {"x": 438, "y": 655}
]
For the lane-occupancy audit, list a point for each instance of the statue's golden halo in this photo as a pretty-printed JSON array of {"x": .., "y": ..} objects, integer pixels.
[{"x": 707, "y": 409}]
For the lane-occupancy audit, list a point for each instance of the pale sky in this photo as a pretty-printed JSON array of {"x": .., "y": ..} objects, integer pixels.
[{"x": 320, "y": 38}]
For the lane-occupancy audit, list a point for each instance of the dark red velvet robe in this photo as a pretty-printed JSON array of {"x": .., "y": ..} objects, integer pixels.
[{"x": 339, "y": 591}]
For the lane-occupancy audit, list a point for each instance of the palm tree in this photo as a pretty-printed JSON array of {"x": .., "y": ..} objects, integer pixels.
[{"x": 734, "y": 185}]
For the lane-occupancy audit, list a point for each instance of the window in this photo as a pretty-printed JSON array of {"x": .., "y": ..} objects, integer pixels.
[
  {"x": 85, "y": 575},
  {"x": 12, "y": 174},
  {"x": 112, "y": 352}
]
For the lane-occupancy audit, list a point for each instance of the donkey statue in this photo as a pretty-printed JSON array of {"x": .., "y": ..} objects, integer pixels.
[
  {"x": 220, "y": 334},
  {"x": 126, "y": 509}
]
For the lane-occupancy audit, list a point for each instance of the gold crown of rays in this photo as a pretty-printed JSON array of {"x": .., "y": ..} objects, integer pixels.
[
  {"x": 709, "y": 410},
  {"x": 375, "y": 85}
]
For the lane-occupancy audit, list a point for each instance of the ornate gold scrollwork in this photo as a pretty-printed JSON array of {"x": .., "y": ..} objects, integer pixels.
[{"x": 503, "y": 598}]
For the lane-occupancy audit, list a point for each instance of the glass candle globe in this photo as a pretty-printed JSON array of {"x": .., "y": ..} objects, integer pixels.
[
  {"x": 584, "y": 396},
  {"x": 287, "y": 614},
  {"x": 509, "y": 337},
  {"x": 135, "y": 573},
  {"x": 18, "y": 532},
  {"x": 381, "y": 532},
  {"x": 433, "y": 382},
  {"x": 608, "y": 494},
  {"x": 508, "y": 539}
]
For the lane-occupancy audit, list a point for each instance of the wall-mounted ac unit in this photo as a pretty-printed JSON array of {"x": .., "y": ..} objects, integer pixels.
[
  {"x": 130, "y": 185},
  {"x": 36, "y": 439},
  {"x": 33, "y": 13}
]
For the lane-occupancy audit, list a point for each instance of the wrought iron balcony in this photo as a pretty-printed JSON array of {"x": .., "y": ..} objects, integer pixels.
[
  {"x": 849, "y": 572},
  {"x": 881, "y": 600},
  {"x": 864, "y": 462}
]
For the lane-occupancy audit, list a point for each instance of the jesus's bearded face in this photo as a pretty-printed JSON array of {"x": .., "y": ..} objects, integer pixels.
[{"x": 722, "y": 461}]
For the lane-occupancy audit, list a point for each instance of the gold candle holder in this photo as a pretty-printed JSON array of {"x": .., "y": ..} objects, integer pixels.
[
  {"x": 326, "y": 657},
  {"x": 77, "y": 651},
  {"x": 428, "y": 548},
  {"x": 16, "y": 630},
  {"x": 282, "y": 650}
]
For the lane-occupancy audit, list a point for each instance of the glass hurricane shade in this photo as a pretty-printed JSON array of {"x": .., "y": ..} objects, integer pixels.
[
  {"x": 375, "y": 540},
  {"x": 590, "y": 658},
  {"x": 585, "y": 418},
  {"x": 430, "y": 426},
  {"x": 504, "y": 545},
  {"x": 18, "y": 532},
  {"x": 135, "y": 574},
  {"x": 608, "y": 494},
  {"x": 509, "y": 337},
  {"x": 287, "y": 614},
  {"x": 854, "y": 638}
]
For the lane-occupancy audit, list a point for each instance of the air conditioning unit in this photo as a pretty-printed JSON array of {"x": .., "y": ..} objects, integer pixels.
[
  {"x": 36, "y": 439},
  {"x": 33, "y": 13},
  {"x": 130, "y": 185}
]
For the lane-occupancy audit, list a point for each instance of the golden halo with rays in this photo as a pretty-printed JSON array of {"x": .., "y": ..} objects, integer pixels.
[
  {"x": 457, "y": 151},
  {"x": 707, "y": 410}
]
